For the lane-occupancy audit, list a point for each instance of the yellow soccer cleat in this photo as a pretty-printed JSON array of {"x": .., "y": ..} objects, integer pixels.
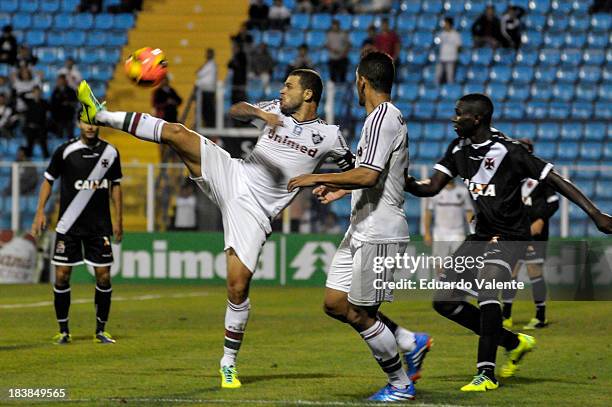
[
  {"x": 229, "y": 378},
  {"x": 507, "y": 323},
  {"x": 62, "y": 338},
  {"x": 536, "y": 324},
  {"x": 481, "y": 382},
  {"x": 526, "y": 345},
  {"x": 90, "y": 104},
  {"x": 103, "y": 337}
]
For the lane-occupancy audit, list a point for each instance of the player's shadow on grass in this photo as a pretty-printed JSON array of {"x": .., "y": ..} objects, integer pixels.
[
  {"x": 522, "y": 381},
  {"x": 263, "y": 378},
  {"x": 23, "y": 346}
]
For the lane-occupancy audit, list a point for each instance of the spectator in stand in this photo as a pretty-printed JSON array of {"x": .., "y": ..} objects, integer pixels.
[
  {"x": 601, "y": 6},
  {"x": 166, "y": 101},
  {"x": 185, "y": 213},
  {"x": 243, "y": 38},
  {"x": 511, "y": 27},
  {"x": 25, "y": 56},
  {"x": 486, "y": 30},
  {"x": 375, "y": 6},
  {"x": 338, "y": 46},
  {"x": 258, "y": 15},
  {"x": 302, "y": 60},
  {"x": 238, "y": 65},
  {"x": 35, "y": 122},
  {"x": 23, "y": 84},
  {"x": 90, "y": 6},
  {"x": 28, "y": 177},
  {"x": 370, "y": 41},
  {"x": 8, "y": 120},
  {"x": 304, "y": 6},
  {"x": 206, "y": 83},
  {"x": 6, "y": 88},
  {"x": 450, "y": 43},
  {"x": 329, "y": 6},
  {"x": 388, "y": 41},
  {"x": 63, "y": 108},
  {"x": 330, "y": 224},
  {"x": 71, "y": 72},
  {"x": 279, "y": 15},
  {"x": 261, "y": 66},
  {"x": 8, "y": 46},
  {"x": 126, "y": 6}
]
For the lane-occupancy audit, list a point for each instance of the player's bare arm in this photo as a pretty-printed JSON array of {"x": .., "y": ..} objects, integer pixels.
[
  {"x": 117, "y": 198},
  {"x": 427, "y": 187},
  {"x": 356, "y": 178},
  {"x": 569, "y": 190},
  {"x": 327, "y": 195},
  {"x": 40, "y": 219},
  {"x": 244, "y": 111}
]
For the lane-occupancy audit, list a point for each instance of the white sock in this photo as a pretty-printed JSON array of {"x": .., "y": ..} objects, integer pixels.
[
  {"x": 381, "y": 341},
  {"x": 405, "y": 339},
  {"x": 236, "y": 317},
  {"x": 142, "y": 125}
]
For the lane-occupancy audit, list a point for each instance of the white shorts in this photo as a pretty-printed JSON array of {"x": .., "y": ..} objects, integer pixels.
[
  {"x": 352, "y": 270},
  {"x": 245, "y": 226},
  {"x": 446, "y": 246}
]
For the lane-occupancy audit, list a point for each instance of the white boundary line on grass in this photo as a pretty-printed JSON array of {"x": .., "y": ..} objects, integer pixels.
[
  {"x": 90, "y": 300},
  {"x": 268, "y": 402}
]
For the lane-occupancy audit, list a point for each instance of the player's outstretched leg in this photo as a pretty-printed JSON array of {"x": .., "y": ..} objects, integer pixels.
[
  {"x": 185, "y": 142},
  {"x": 61, "y": 302}
]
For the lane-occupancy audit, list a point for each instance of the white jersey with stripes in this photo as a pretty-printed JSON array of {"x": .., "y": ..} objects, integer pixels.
[{"x": 377, "y": 213}]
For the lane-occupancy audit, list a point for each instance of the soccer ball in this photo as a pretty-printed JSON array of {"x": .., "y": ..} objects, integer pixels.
[{"x": 146, "y": 66}]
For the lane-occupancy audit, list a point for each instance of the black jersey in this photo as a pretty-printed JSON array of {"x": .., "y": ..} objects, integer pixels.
[
  {"x": 87, "y": 174},
  {"x": 493, "y": 172},
  {"x": 541, "y": 202}
]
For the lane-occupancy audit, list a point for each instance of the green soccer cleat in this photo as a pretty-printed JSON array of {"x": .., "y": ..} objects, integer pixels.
[
  {"x": 536, "y": 324},
  {"x": 507, "y": 323},
  {"x": 62, "y": 338},
  {"x": 90, "y": 104},
  {"x": 526, "y": 345},
  {"x": 229, "y": 378},
  {"x": 103, "y": 337},
  {"x": 481, "y": 382}
]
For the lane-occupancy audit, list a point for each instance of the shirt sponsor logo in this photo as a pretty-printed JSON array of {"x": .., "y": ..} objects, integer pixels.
[
  {"x": 91, "y": 184},
  {"x": 312, "y": 152},
  {"x": 481, "y": 189}
]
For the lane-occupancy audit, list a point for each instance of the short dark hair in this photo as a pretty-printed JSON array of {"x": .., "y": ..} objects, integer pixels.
[
  {"x": 449, "y": 20},
  {"x": 479, "y": 104},
  {"x": 310, "y": 79},
  {"x": 378, "y": 68}
]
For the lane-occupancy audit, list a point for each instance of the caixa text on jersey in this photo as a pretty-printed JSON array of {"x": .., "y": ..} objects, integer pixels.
[{"x": 91, "y": 184}]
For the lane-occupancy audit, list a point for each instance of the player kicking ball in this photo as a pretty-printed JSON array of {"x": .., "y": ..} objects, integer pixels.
[
  {"x": 494, "y": 167},
  {"x": 251, "y": 192},
  {"x": 378, "y": 229}
]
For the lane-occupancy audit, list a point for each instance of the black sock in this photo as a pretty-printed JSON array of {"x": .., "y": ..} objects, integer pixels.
[
  {"x": 389, "y": 323},
  {"x": 488, "y": 371},
  {"x": 507, "y": 310},
  {"x": 103, "y": 302},
  {"x": 61, "y": 301},
  {"x": 541, "y": 311},
  {"x": 490, "y": 335}
]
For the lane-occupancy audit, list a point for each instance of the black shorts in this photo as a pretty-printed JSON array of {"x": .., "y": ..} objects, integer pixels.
[
  {"x": 483, "y": 250},
  {"x": 68, "y": 250}
]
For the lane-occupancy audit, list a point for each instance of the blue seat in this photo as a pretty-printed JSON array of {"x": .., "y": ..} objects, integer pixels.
[
  {"x": 414, "y": 130},
  {"x": 517, "y": 93},
  {"x": 341, "y": 207},
  {"x": 548, "y": 131},
  {"x": 557, "y": 23},
  {"x": 450, "y": 92},
  {"x": 563, "y": 92},
  {"x": 429, "y": 150},
  {"x": 286, "y": 56},
  {"x": 96, "y": 39},
  {"x": 453, "y": 7},
  {"x": 603, "y": 189},
  {"x": 567, "y": 151},
  {"x": 603, "y": 111},
  {"x": 362, "y": 21},
  {"x": 408, "y": 91},
  {"x": 605, "y": 92},
  {"x": 586, "y": 186},
  {"x": 406, "y": 23},
  {"x": 525, "y": 130},
  {"x": 504, "y": 56},
  {"x": 124, "y": 21},
  {"x": 579, "y": 22},
  {"x": 482, "y": 56},
  {"x": 422, "y": 39},
  {"x": 501, "y": 73},
  {"x": 22, "y": 21},
  {"x": 294, "y": 39},
  {"x": 434, "y": 131},
  {"x": 410, "y": 6},
  {"x": 35, "y": 38},
  {"x": 549, "y": 57},
  {"x": 497, "y": 91},
  {"x": 320, "y": 21},
  {"x": 300, "y": 21},
  {"x": 575, "y": 40},
  {"x": 594, "y": 56},
  {"x": 595, "y": 131},
  {"x": 69, "y": 6},
  {"x": 9, "y": 6},
  {"x": 255, "y": 91},
  {"x": 590, "y": 151},
  {"x": 537, "y": 110},
  {"x": 540, "y": 6},
  {"x": 428, "y": 93},
  {"x": 522, "y": 74},
  {"x": 572, "y": 57},
  {"x": 466, "y": 39},
  {"x": 478, "y": 73},
  {"x": 553, "y": 40},
  {"x": 541, "y": 92},
  {"x": 63, "y": 22},
  {"x": 357, "y": 37},
  {"x": 535, "y": 21},
  {"x": 567, "y": 75},
  {"x": 46, "y": 55},
  {"x": 547, "y": 151},
  {"x": 601, "y": 22},
  {"x": 571, "y": 131},
  {"x": 513, "y": 111},
  {"x": 589, "y": 74},
  {"x": 532, "y": 39},
  {"x": 273, "y": 39},
  {"x": 29, "y": 7},
  {"x": 84, "y": 21},
  {"x": 475, "y": 7},
  {"x": 431, "y": 6},
  {"x": 116, "y": 39},
  {"x": 564, "y": 7},
  {"x": 445, "y": 110},
  {"x": 49, "y": 6},
  {"x": 559, "y": 110},
  {"x": 582, "y": 110},
  {"x": 424, "y": 110},
  {"x": 473, "y": 87},
  {"x": 104, "y": 21},
  {"x": 345, "y": 21},
  {"x": 90, "y": 56},
  {"x": 427, "y": 21},
  {"x": 415, "y": 56},
  {"x": 42, "y": 21},
  {"x": 55, "y": 38},
  {"x": 527, "y": 57},
  {"x": 428, "y": 74},
  {"x": 405, "y": 108},
  {"x": 597, "y": 40},
  {"x": 315, "y": 39}
]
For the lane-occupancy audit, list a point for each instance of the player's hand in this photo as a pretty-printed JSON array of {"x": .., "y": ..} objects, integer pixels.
[
  {"x": 305, "y": 180},
  {"x": 536, "y": 227},
  {"x": 118, "y": 233},
  {"x": 272, "y": 120},
  {"x": 427, "y": 239},
  {"x": 326, "y": 194},
  {"x": 604, "y": 223},
  {"x": 39, "y": 224}
]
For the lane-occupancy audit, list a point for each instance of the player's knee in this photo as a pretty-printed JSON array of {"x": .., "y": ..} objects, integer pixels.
[
  {"x": 237, "y": 291},
  {"x": 445, "y": 308},
  {"x": 62, "y": 276},
  {"x": 334, "y": 310},
  {"x": 103, "y": 280}
]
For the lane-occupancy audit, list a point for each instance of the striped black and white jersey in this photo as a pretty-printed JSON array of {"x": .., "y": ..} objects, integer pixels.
[
  {"x": 494, "y": 172},
  {"x": 377, "y": 213},
  {"x": 86, "y": 175},
  {"x": 541, "y": 202}
]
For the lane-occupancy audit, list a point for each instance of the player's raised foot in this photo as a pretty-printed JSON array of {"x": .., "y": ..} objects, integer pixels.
[
  {"x": 103, "y": 337},
  {"x": 229, "y": 377},
  {"x": 414, "y": 359},
  {"x": 526, "y": 345},
  {"x": 481, "y": 382},
  {"x": 507, "y": 323},
  {"x": 62, "y": 338},
  {"x": 391, "y": 394},
  {"x": 536, "y": 324},
  {"x": 90, "y": 104}
]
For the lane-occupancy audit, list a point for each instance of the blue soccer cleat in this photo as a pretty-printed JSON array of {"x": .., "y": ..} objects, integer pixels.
[
  {"x": 414, "y": 359},
  {"x": 391, "y": 394}
]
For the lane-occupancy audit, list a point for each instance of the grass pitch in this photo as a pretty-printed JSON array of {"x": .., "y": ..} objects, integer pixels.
[{"x": 169, "y": 341}]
